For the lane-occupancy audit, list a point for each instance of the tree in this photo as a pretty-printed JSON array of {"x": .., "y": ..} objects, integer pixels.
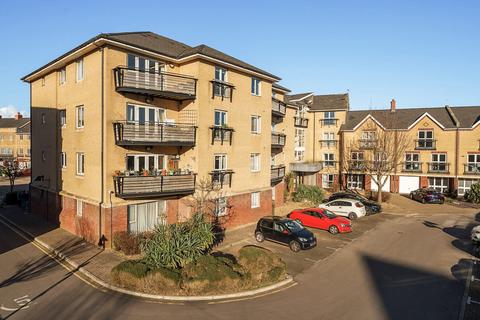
[
  {"x": 378, "y": 152},
  {"x": 11, "y": 169}
]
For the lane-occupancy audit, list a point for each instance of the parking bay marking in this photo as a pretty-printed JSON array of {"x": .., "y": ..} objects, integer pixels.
[{"x": 22, "y": 303}]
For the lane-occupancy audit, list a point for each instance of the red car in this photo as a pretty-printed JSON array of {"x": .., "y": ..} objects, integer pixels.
[{"x": 321, "y": 219}]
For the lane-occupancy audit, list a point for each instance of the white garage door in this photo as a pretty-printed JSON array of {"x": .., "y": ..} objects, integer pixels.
[
  {"x": 408, "y": 184},
  {"x": 386, "y": 186}
]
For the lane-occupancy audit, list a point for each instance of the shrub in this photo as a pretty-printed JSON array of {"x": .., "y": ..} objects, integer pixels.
[
  {"x": 210, "y": 268},
  {"x": 176, "y": 245},
  {"x": 312, "y": 194},
  {"x": 11, "y": 197},
  {"x": 135, "y": 268},
  {"x": 126, "y": 242},
  {"x": 261, "y": 265},
  {"x": 473, "y": 195}
]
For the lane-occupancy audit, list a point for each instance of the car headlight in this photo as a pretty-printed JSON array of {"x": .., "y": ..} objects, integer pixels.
[
  {"x": 303, "y": 239},
  {"x": 343, "y": 225}
]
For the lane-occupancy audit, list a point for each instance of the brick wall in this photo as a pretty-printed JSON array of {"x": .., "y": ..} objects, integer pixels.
[
  {"x": 280, "y": 194},
  {"x": 423, "y": 182},
  {"x": 368, "y": 182},
  {"x": 240, "y": 211},
  {"x": 394, "y": 183}
]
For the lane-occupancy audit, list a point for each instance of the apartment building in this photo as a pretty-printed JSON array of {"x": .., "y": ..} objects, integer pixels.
[
  {"x": 126, "y": 126},
  {"x": 15, "y": 140}
]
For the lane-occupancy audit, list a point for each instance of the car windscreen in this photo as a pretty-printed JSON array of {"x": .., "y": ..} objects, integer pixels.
[
  {"x": 329, "y": 214},
  {"x": 293, "y": 226}
]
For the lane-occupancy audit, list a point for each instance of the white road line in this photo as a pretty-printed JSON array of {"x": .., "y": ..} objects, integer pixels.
[{"x": 466, "y": 298}]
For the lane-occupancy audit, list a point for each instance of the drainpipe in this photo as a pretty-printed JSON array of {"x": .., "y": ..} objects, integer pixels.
[
  {"x": 457, "y": 144},
  {"x": 314, "y": 141},
  {"x": 101, "y": 236}
]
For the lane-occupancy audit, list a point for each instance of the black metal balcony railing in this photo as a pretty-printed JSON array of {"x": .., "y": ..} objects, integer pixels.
[
  {"x": 222, "y": 89},
  {"x": 156, "y": 84},
  {"x": 328, "y": 122},
  {"x": 222, "y": 134},
  {"x": 328, "y": 143},
  {"x": 222, "y": 177},
  {"x": 425, "y": 144},
  {"x": 301, "y": 122},
  {"x": 438, "y": 167},
  {"x": 154, "y": 133},
  {"x": 472, "y": 168},
  {"x": 277, "y": 173},
  {"x": 279, "y": 108},
  {"x": 412, "y": 166},
  {"x": 367, "y": 143},
  {"x": 278, "y": 140},
  {"x": 131, "y": 187}
]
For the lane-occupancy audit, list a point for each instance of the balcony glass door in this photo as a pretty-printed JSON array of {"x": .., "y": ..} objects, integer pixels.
[
  {"x": 138, "y": 163},
  {"x": 147, "y": 72},
  {"x": 145, "y": 120}
]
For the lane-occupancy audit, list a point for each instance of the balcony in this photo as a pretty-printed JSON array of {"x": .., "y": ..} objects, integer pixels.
[
  {"x": 472, "y": 168},
  {"x": 222, "y": 89},
  {"x": 279, "y": 108},
  {"x": 425, "y": 144},
  {"x": 155, "y": 84},
  {"x": 222, "y": 134},
  {"x": 309, "y": 167},
  {"x": 301, "y": 122},
  {"x": 222, "y": 177},
  {"x": 134, "y": 133},
  {"x": 328, "y": 122},
  {"x": 328, "y": 143},
  {"x": 356, "y": 165},
  {"x": 438, "y": 167},
  {"x": 278, "y": 140},
  {"x": 329, "y": 164},
  {"x": 367, "y": 143},
  {"x": 277, "y": 173},
  {"x": 412, "y": 166},
  {"x": 141, "y": 187}
]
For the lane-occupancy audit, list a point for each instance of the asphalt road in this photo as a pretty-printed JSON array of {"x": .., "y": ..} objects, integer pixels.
[{"x": 408, "y": 268}]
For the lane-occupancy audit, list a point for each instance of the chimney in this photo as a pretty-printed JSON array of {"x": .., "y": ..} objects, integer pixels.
[
  {"x": 18, "y": 116},
  {"x": 393, "y": 105}
]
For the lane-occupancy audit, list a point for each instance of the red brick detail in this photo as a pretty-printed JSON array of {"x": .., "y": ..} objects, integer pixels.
[
  {"x": 368, "y": 182},
  {"x": 423, "y": 182},
  {"x": 114, "y": 220},
  {"x": 240, "y": 211},
  {"x": 394, "y": 183},
  {"x": 319, "y": 180},
  {"x": 279, "y": 194},
  {"x": 335, "y": 182},
  {"x": 86, "y": 225}
]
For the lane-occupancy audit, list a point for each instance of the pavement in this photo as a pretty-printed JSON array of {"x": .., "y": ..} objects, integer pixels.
[{"x": 413, "y": 264}]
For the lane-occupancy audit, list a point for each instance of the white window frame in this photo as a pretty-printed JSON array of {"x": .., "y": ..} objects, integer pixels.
[
  {"x": 256, "y": 87},
  {"x": 222, "y": 74},
  {"x": 160, "y": 161},
  {"x": 255, "y": 200},
  {"x": 80, "y": 117},
  {"x": 63, "y": 160},
  {"x": 355, "y": 181},
  {"x": 80, "y": 165},
  {"x": 438, "y": 184},
  {"x": 329, "y": 136},
  {"x": 299, "y": 155},
  {"x": 255, "y": 124},
  {"x": 63, "y": 118},
  {"x": 410, "y": 162},
  {"x": 254, "y": 162},
  {"x": 223, "y": 161},
  {"x": 223, "y": 116},
  {"x": 62, "y": 76},
  {"x": 326, "y": 181},
  {"x": 80, "y": 70},
  {"x": 79, "y": 210},
  {"x": 329, "y": 159},
  {"x": 465, "y": 184},
  {"x": 221, "y": 206}
]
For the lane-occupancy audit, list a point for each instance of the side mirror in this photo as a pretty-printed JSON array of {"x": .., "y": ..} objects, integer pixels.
[{"x": 285, "y": 231}]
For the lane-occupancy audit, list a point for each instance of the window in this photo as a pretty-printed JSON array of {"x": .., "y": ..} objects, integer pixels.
[
  {"x": 329, "y": 136},
  {"x": 425, "y": 139},
  {"x": 464, "y": 185},
  {"x": 221, "y": 206},
  {"x": 141, "y": 162},
  {"x": 62, "y": 76},
  {"x": 327, "y": 180},
  {"x": 255, "y": 124},
  {"x": 329, "y": 118},
  {"x": 44, "y": 120},
  {"x": 28, "y": 152},
  {"x": 63, "y": 118},
  {"x": 79, "y": 208},
  {"x": 355, "y": 181},
  {"x": 412, "y": 162},
  {"x": 439, "y": 162},
  {"x": 220, "y": 162},
  {"x": 299, "y": 155},
  {"x": 20, "y": 152},
  {"x": 20, "y": 136},
  {"x": 220, "y": 74},
  {"x": 255, "y": 87},
  {"x": 255, "y": 162},
  {"x": 63, "y": 159},
  {"x": 80, "y": 117},
  {"x": 473, "y": 163},
  {"x": 329, "y": 159},
  {"x": 80, "y": 69},
  {"x": 220, "y": 118},
  {"x": 11, "y": 137},
  {"x": 144, "y": 217},
  {"x": 300, "y": 138},
  {"x": 255, "y": 200},
  {"x": 80, "y": 163},
  {"x": 439, "y": 184}
]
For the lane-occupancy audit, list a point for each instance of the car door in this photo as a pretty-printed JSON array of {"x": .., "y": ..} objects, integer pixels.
[
  {"x": 307, "y": 218},
  {"x": 320, "y": 220},
  {"x": 280, "y": 232},
  {"x": 337, "y": 207},
  {"x": 347, "y": 207},
  {"x": 266, "y": 226}
]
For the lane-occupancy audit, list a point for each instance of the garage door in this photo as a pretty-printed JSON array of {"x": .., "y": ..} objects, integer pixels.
[
  {"x": 386, "y": 186},
  {"x": 408, "y": 184}
]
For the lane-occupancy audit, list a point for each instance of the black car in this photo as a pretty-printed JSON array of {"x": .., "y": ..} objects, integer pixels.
[
  {"x": 427, "y": 195},
  {"x": 285, "y": 231},
  {"x": 370, "y": 206}
]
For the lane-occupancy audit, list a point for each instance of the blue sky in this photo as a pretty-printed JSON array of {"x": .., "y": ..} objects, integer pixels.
[{"x": 422, "y": 53}]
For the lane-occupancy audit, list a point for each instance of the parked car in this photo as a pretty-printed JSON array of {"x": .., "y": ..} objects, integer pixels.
[
  {"x": 426, "y": 195},
  {"x": 285, "y": 231},
  {"x": 352, "y": 209},
  {"x": 370, "y": 206},
  {"x": 475, "y": 235},
  {"x": 321, "y": 219}
]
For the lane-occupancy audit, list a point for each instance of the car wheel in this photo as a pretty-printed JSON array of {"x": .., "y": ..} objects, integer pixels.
[
  {"x": 333, "y": 229},
  {"x": 352, "y": 216},
  {"x": 259, "y": 237},
  {"x": 295, "y": 246},
  {"x": 423, "y": 200},
  {"x": 411, "y": 196}
]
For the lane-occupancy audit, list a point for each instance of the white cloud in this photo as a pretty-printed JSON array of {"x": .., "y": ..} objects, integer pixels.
[{"x": 9, "y": 111}]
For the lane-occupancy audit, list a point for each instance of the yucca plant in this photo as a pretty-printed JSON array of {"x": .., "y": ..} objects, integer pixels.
[{"x": 474, "y": 194}]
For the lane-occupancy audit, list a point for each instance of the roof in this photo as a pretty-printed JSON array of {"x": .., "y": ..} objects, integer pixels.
[
  {"x": 22, "y": 123},
  {"x": 297, "y": 96},
  {"x": 330, "y": 102},
  {"x": 161, "y": 45},
  {"x": 282, "y": 88},
  {"x": 404, "y": 118}
]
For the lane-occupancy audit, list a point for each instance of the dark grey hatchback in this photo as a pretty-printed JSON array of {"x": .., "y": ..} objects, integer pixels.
[{"x": 285, "y": 231}]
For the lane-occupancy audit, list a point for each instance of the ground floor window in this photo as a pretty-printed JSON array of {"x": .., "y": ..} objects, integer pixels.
[
  {"x": 355, "y": 181},
  {"x": 255, "y": 200},
  {"x": 79, "y": 208},
  {"x": 221, "y": 206},
  {"x": 273, "y": 193},
  {"x": 327, "y": 180},
  {"x": 439, "y": 184},
  {"x": 145, "y": 216},
  {"x": 465, "y": 184}
]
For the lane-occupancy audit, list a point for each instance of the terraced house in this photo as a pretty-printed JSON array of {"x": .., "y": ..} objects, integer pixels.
[
  {"x": 15, "y": 140},
  {"x": 125, "y": 126}
]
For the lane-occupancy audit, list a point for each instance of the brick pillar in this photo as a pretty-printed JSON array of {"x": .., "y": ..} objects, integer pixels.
[
  {"x": 335, "y": 182},
  {"x": 394, "y": 184},
  {"x": 368, "y": 182},
  {"x": 319, "y": 179},
  {"x": 423, "y": 182}
]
